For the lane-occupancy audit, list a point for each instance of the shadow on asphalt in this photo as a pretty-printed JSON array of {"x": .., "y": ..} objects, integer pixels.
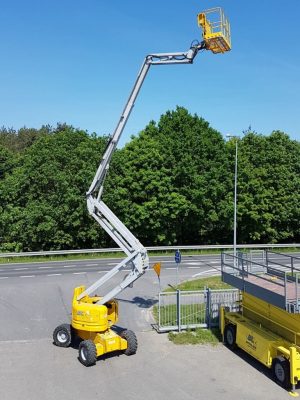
[
  {"x": 256, "y": 364},
  {"x": 140, "y": 301}
]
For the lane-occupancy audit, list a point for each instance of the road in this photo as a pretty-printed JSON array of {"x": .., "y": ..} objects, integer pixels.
[
  {"x": 57, "y": 268},
  {"x": 190, "y": 266},
  {"x": 36, "y": 299},
  {"x": 39, "y": 294}
]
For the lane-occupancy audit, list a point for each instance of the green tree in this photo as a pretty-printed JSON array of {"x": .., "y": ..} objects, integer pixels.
[
  {"x": 44, "y": 198},
  {"x": 18, "y": 141},
  {"x": 172, "y": 182},
  {"x": 8, "y": 162},
  {"x": 268, "y": 188}
]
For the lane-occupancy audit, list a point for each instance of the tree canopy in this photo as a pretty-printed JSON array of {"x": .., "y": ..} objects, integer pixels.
[{"x": 172, "y": 184}]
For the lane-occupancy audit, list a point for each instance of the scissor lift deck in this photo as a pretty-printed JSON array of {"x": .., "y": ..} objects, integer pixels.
[{"x": 276, "y": 280}]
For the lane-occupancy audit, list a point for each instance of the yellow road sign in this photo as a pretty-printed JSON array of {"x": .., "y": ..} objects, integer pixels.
[{"x": 157, "y": 267}]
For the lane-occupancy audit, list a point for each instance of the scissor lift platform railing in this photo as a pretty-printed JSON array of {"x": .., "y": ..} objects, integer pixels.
[{"x": 275, "y": 281}]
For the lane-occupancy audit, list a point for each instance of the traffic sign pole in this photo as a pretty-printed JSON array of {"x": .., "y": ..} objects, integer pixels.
[{"x": 178, "y": 261}]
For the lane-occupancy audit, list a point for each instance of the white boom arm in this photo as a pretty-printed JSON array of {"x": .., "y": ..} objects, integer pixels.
[{"x": 137, "y": 258}]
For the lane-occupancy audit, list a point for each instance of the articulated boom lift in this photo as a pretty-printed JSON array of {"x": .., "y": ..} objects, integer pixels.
[{"x": 93, "y": 317}]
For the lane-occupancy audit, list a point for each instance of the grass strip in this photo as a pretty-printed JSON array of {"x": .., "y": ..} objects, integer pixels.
[
  {"x": 197, "y": 336},
  {"x": 212, "y": 282}
]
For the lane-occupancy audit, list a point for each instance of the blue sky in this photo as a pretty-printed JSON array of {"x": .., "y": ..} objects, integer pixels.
[{"x": 76, "y": 61}]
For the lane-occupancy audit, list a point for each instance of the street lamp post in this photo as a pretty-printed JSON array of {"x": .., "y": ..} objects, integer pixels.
[{"x": 235, "y": 196}]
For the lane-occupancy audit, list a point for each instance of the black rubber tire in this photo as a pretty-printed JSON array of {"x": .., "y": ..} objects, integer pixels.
[
  {"x": 230, "y": 336},
  {"x": 281, "y": 371},
  {"x": 132, "y": 343},
  {"x": 87, "y": 353},
  {"x": 62, "y": 335}
]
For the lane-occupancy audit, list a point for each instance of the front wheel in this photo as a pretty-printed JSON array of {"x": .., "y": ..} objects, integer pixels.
[
  {"x": 87, "y": 353},
  {"x": 62, "y": 335},
  {"x": 281, "y": 371},
  {"x": 132, "y": 343}
]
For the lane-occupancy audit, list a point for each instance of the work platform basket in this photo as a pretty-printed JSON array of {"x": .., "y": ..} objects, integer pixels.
[{"x": 216, "y": 30}]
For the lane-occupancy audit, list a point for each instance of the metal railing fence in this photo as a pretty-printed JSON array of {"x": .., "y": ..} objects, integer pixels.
[
  {"x": 180, "y": 310},
  {"x": 276, "y": 280},
  {"x": 151, "y": 248}
]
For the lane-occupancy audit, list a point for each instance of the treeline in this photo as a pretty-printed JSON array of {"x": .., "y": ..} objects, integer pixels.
[{"x": 172, "y": 184}]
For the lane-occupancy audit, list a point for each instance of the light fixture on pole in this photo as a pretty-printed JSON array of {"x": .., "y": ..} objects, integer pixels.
[{"x": 235, "y": 195}]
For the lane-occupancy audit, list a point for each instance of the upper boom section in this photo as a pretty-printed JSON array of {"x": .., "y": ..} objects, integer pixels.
[
  {"x": 216, "y": 38},
  {"x": 151, "y": 59}
]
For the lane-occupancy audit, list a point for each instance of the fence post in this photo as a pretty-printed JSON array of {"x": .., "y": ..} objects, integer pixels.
[
  {"x": 208, "y": 306},
  {"x": 159, "y": 307},
  {"x": 222, "y": 261},
  {"x": 264, "y": 256},
  {"x": 297, "y": 294},
  {"x": 178, "y": 310},
  {"x": 285, "y": 290}
]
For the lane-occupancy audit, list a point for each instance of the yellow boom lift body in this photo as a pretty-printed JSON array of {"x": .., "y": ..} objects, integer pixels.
[{"x": 94, "y": 317}]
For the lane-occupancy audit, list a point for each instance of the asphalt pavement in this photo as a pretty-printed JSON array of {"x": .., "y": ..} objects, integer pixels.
[{"x": 33, "y": 301}]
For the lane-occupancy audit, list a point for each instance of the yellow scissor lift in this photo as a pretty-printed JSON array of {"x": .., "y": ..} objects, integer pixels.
[{"x": 268, "y": 324}]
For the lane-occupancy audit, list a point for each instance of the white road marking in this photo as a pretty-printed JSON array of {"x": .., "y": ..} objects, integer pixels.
[
  {"x": 171, "y": 268},
  {"x": 117, "y": 264},
  {"x": 27, "y": 276},
  {"x": 200, "y": 263},
  {"x": 19, "y": 269},
  {"x": 53, "y": 274},
  {"x": 4, "y": 277},
  {"x": 167, "y": 261},
  {"x": 91, "y": 265},
  {"x": 44, "y": 267},
  {"x": 193, "y": 267},
  {"x": 69, "y": 266},
  {"x": 123, "y": 270},
  {"x": 192, "y": 263},
  {"x": 52, "y": 262},
  {"x": 79, "y": 273},
  {"x": 207, "y": 272}
]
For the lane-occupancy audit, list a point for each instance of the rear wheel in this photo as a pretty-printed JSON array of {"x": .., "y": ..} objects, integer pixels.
[
  {"x": 230, "y": 336},
  {"x": 281, "y": 371},
  {"x": 132, "y": 343},
  {"x": 87, "y": 353},
  {"x": 62, "y": 335}
]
